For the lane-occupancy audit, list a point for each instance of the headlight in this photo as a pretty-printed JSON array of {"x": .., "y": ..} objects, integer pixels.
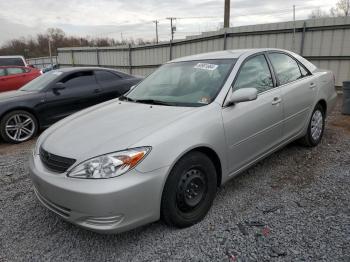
[{"x": 110, "y": 165}]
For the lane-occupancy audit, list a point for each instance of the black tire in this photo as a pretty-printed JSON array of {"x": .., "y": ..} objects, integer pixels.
[
  {"x": 33, "y": 126},
  {"x": 308, "y": 140},
  {"x": 195, "y": 172}
]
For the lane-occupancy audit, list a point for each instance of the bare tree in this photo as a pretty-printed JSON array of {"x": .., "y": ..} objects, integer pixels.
[
  {"x": 342, "y": 8},
  {"x": 318, "y": 13},
  {"x": 36, "y": 46}
]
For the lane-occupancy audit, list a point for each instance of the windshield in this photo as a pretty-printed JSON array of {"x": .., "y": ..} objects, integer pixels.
[
  {"x": 41, "y": 82},
  {"x": 193, "y": 83}
]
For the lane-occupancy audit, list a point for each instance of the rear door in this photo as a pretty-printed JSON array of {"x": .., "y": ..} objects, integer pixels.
[
  {"x": 2, "y": 79},
  {"x": 112, "y": 84},
  {"x": 79, "y": 92},
  {"x": 15, "y": 78},
  {"x": 298, "y": 89},
  {"x": 253, "y": 128}
]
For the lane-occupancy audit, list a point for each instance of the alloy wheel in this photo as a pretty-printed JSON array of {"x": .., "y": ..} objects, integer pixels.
[{"x": 20, "y": 127}]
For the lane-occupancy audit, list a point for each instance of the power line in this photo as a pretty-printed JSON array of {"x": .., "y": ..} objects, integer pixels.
[
  {"x": 173, "y": 28},
  {"x": 199, "y": 17}
]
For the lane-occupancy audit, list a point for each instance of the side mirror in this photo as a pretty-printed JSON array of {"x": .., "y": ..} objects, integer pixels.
[
  {"x": 58, "y": 86},
  {"x": 242, "y": 95}
]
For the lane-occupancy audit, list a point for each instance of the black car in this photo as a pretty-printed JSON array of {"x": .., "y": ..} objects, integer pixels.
[{"x": 55, "y": 95}]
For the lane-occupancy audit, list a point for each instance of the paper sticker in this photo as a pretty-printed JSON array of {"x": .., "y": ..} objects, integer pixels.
[
  {"x": 204, "y": 100},
  {"x": 206, "y": 66}
]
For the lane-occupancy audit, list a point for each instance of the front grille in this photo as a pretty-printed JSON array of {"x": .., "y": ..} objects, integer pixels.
[{"x": 55, "y": 163}]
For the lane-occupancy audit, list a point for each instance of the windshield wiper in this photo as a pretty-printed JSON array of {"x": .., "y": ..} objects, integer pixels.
[
  {"x": 154, "y": 102},
  {"x": 125, "y": 98}
]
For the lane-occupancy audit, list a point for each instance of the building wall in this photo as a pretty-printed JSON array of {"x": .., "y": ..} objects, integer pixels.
[
  {"x": 42, "y": 62},
  {"x": 325, "y": 42}
]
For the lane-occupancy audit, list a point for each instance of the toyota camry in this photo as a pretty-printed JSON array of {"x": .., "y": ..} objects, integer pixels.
[{"x": 163, "y": 149}]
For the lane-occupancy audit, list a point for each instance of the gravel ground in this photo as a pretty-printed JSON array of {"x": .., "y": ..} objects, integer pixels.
[{"x": 293, "y": 206}]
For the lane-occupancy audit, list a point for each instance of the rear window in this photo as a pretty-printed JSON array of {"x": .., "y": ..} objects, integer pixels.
[
  {"x": 104, "y": 76},
  {"x": 11, "y": 62}
]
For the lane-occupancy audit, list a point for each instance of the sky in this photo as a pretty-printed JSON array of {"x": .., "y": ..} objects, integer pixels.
[{"x": 133, "y": 18}]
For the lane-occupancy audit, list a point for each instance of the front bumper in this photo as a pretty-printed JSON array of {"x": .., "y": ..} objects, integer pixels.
[{"x": 104, "y": 205}]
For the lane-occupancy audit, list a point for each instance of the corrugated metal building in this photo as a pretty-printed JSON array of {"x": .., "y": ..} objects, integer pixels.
[{"x": 325, "y": 42}]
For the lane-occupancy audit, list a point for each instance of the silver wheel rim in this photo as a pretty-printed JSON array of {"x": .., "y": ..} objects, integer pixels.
[
  {"x": 20, "y": 127},
  {"x": 316, "y": 125}
]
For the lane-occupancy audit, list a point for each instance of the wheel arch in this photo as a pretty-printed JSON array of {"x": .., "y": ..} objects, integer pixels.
[
  {"x": 209, "y": 152},
  {"x": 323, "y": 103},
  {"x": 29, "y": 110}
]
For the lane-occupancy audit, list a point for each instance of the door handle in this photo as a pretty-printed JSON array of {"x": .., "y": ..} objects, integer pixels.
[
  {"x": 97, "y": 90},
  {"x": 276, "y": 100},
  {"x": 312, "y": 85}
]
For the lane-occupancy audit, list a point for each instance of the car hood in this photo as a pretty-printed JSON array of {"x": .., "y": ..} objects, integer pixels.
[{"x": 108, "y": 128}]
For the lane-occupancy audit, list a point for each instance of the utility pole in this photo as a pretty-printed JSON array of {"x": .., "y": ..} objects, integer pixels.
[
  {"x": 172, "y": 28},
  {"x": 156, "y": 22},
  {"x": 50, "y": 53},
  {"x": 227, "y": 14},
  {"x": 294, "y": 28},
  {"x": 121, "y": 37}
]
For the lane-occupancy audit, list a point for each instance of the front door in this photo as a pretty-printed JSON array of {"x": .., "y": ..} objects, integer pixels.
[
  {"x": 78, "y": 93},
  {"x": 253, "y": 128}
]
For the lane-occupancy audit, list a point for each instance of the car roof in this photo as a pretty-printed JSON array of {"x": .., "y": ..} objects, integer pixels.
[
  {"x": 86, "y": 68},
  {"x": 12, "y": 66},
  {"x": 12, "y": 56},
  {"x": 227, "y": 54}
]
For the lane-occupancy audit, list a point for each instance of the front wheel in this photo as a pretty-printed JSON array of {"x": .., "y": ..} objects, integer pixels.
[
  {"x": 189, "y": 190},
  {"x": 18, "y": 126},
  {"x": 316, "y": 128}
]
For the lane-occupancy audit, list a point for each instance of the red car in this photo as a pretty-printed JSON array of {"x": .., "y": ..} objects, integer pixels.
[{"x": 14, "y": 77}]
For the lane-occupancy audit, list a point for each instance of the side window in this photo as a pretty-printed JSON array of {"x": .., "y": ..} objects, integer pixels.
[
  {"x": 14, "y": 70},
  {"x": 104, "y": 76},
  {"x": 255, "y": 73},
  {"x": 2, "y": 72},
  {"x": 286, "y": 68},
  {"x": 79, "y": 79}
]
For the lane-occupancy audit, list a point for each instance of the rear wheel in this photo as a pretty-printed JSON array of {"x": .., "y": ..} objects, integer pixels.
[
  {"x": 316, "y": 128},
  {"x": 18, "y": 126},
  {"x": 189, "y": 190}
]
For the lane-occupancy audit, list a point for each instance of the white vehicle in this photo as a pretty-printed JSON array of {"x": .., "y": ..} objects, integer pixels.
[{"x": 13, "y": 60}]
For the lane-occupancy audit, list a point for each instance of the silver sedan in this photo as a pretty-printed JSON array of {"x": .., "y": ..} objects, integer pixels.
[{"x": 163, "y": 149}]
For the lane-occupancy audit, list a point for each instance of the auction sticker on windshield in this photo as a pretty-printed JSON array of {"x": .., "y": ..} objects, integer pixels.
[{"x": 206, "y": 66}]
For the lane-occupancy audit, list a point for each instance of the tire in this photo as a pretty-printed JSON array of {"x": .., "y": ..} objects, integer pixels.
[
  {"x": 196, "y": 173},
  {"x": 315, "y": 128},
  {"x": 18, "y": 126}
]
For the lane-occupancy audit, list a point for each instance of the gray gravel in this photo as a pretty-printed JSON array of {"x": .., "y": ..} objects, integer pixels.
[{"x": 293, "y": 206}]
